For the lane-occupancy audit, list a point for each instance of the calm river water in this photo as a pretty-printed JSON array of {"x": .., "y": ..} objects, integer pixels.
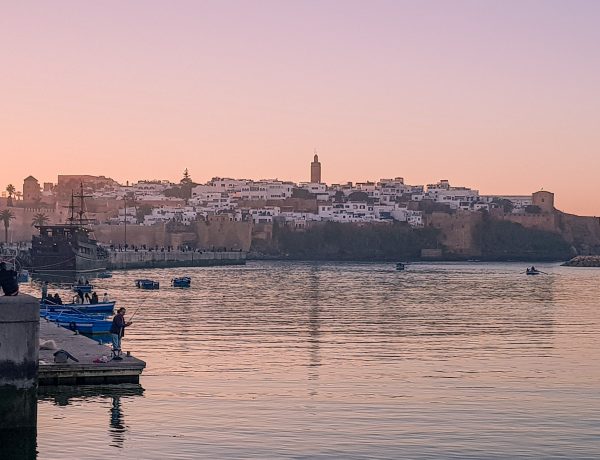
[{"x": 346, "y": 360}]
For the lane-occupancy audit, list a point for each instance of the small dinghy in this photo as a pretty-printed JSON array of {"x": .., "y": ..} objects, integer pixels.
[
  {"x": 400, "y": 266},
  {"x": 105, "y": 275},
  {"x": 147, "y": 284},
  {"x": 532, "y": 271},
  {"x": 184, "y": 281}
]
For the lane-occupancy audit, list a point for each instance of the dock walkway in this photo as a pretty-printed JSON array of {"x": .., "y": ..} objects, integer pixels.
[{"x": 86, "y": 350}]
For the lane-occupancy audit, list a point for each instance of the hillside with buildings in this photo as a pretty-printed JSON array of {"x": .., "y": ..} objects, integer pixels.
[{"x": 273, "y": 218}]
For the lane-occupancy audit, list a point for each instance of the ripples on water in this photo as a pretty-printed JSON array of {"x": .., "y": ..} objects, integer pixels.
[{"x": 342, "y": 360}]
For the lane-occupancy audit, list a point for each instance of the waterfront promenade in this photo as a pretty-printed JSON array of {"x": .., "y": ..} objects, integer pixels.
[
  {"x": 173, "y": 258},
  {"x": 86, "y": 350}
]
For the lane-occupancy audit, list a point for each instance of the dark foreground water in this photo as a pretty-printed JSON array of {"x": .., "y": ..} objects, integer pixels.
[{"x": 342, "y": 360}]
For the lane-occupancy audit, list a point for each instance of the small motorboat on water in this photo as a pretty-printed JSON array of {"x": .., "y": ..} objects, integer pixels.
[
  {"x": 75, "y": 308},
  {"x": 184, "y": 281},
  {"x": 400, "y": 266},
  {"x": 532, "y": 271},
  {"x": 147, "y": 284},
  {"x": 105, "y": 275}
]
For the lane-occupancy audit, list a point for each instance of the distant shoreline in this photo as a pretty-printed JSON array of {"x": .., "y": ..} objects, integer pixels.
[{"x": 255, "y": 257}]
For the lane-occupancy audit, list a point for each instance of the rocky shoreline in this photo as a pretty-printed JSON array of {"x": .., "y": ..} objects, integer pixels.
[{"x": 583, "y": 261}]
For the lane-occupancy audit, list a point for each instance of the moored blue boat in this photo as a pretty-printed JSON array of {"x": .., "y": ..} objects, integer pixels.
[
  {"x": 103, "y": 307},
  {"x": 184, "y": 281},
  {"x": 147, "y": 284},
  {"x": 84, "y": 324}
]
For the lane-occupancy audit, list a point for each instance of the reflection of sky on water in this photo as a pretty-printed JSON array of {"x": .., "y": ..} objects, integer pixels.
[{"x": 349, "y": 360}]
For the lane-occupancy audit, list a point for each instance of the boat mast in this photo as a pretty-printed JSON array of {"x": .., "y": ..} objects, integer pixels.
[
  {"x": 81, "y": 212},
  {"x": 71, "y": 207}
]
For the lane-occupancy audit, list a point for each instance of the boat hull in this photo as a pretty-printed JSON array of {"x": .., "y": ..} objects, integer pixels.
[
  {"x": 86, "y": 326},
  {"x": 74, "y": 308}
]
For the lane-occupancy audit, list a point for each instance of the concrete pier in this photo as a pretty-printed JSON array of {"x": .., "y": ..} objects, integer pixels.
[
  {"x": 167, "y": 259},
  {"x": 19, "y": 331},
  {"x": 86, "y": 371}
]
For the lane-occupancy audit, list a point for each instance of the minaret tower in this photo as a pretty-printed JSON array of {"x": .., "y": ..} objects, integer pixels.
[{"x": 315, "y": 170}]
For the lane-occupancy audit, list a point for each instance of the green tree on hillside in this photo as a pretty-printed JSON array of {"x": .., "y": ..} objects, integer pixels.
[
  {"x": 345, "y": 241},
  {"x": 506, "y": 205},
  {"x": 503, "y": 240},
  {"x": 186, "y": 178}
]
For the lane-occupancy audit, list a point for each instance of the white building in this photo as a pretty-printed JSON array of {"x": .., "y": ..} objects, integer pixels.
[
  {"x": 264, "y": 215},
  {"x": 254, "y": 192},
  {"x": 184, "y": 215}
]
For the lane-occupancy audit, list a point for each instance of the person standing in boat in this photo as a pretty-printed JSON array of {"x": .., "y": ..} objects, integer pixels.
[
  {"x": 8, "y": 280},
  {"x": 94, "y": 298},
  {"x": 117, "y": 331},
  {"x": 105, "y": 297},
  {"x": 45, "y": 290}
]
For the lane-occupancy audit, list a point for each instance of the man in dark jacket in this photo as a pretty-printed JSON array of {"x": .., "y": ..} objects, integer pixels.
[
  {"x": 117, "y": 331},
  {"x": 8, "y": 280}
]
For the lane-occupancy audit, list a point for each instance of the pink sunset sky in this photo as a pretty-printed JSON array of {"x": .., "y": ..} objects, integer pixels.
[{"x": 501, "y": 96}]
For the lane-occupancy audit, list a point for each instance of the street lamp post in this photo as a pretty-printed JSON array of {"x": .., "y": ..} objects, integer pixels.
[{"x": 125, "y": 201}]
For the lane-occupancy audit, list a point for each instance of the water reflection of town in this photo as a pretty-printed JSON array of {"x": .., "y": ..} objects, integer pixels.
[
  {"x": 117, "y": 426},
  {"x": 314, "y": 330}
]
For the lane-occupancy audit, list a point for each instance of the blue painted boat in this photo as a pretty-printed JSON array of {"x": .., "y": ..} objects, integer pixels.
[
  {"x": 23, "y": 276},
  {"x": 105, "y": 275},
  {"x": 147, "y": 284},
  {"x": 103, "y": 307},
  {"x": 84, "y": 324},
  {"x": 184, "y": 281}
]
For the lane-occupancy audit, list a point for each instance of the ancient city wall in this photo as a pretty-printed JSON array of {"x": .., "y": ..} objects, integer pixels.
[
  {"x": 457, "y": 231},
  {"x": 205, "y": 235}
]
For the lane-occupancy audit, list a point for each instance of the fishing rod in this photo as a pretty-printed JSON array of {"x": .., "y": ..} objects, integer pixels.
[{"x": 136, "y": 310}]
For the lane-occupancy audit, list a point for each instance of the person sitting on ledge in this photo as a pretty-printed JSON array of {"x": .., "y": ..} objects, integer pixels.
[{"x": 8, "y": 280}]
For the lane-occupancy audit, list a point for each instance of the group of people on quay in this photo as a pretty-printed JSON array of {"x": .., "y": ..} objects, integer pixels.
[{"x": 156, "y": 248}]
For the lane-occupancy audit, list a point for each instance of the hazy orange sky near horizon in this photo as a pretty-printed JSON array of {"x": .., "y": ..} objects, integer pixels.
[{"x": 498, "y": 96}]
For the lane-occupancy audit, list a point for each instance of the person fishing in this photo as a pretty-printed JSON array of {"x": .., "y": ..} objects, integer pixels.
[
  {"x": 8, "y": 280},
  {"x": 117, "y": 331}
]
